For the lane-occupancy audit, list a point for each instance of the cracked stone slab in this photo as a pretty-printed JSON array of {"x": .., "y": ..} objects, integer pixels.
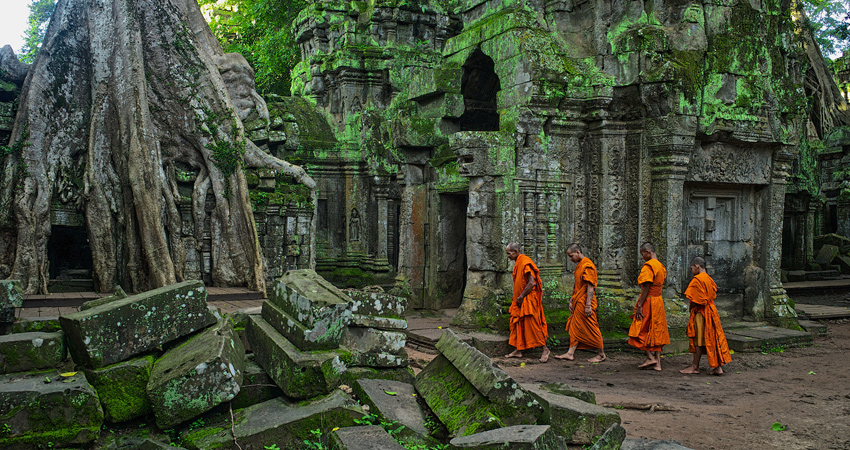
[
  {"x": 516, "y": 437},
  {"x": 124, "y": 328},
  {"x": 576, "y": 420},
  {"x": 278, "y": 421},
  {"x": 372, "y": 437},
  {"x": 22, "y": 352},
  {"x": 612, "y": 439},
  {"x": 516, "y": 405},
  {"x": 299, "y": 374},
  {"x": 394, "y": 401},
  {"x": 196, "y": 376},
  {"x": 46, "y": 407},
  {"x": 381, "y": 323},
  {"x": 368, "y": 342}
]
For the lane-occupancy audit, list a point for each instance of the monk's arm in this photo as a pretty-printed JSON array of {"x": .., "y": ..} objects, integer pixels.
[
  {"x": 529, "y": 285},
  {"x": 644, "y": 292},
  {"x": 588, "y": 311}
]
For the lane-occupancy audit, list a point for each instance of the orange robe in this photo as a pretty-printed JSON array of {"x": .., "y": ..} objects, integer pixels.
[
  {"x": 701, "y": 292},
  {"x": 584, "y": 331},
  {"x": 528, "y": 324},
  {"x": 650, "y": 334}
]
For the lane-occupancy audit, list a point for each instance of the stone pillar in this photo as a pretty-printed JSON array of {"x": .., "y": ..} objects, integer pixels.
[
  {"x": 808, "y": 236},
  {"x": 669, "y": 158},
  {"x": 843, "y": 212},
  {"x": 776, "y": 309}
]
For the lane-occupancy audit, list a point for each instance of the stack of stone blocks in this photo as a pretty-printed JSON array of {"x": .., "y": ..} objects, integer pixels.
[{"x": 162, "y": 352}]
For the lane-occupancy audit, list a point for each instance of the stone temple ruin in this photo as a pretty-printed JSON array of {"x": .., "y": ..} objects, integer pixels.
[{"x": 318, "y": 360}]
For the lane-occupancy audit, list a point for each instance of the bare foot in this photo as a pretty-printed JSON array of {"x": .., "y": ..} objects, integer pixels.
[
  {"x": 545, "y": 356},
  {"x": 716, "y": 371},
  {"x": 647, "y": 363},
  {"x": 689, "y": 370},
  {"x": 566, "y": 356},
  {"x": 658, "y": 368},
  {"x": 514, "y": 354},
  {"x": 597, "y": 359}
]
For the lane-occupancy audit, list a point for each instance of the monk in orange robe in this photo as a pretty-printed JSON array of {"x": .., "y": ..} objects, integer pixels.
[
  {"x": 582, "y": 324},
  {"x": 528, "y": 324},
  {"x": 649, "y": 323},
  {"x": 704, "y": 329}
]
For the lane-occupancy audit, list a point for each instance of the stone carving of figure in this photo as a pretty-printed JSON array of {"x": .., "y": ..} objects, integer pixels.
[
  {"x": 354, "y": 226},
  {"x": 239, "y": 78}
]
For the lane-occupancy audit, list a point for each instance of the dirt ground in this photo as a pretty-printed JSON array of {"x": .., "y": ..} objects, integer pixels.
[{"x": 807, "y": 390}]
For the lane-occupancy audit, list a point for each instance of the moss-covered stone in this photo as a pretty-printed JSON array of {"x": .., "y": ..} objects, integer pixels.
[
  {"x": 196, "y": 376},
  {"x": 257, "y": 386},
  {"x": 45, "y": 407},
  {"x": 30, "y": 324},
  {"x": 121, "y": 388},
  {"x": 131, "y": 326},
  {"x": 117, "y": 295},
  {"x": 11, "y": 297},
  {"x": 22, "y": 352}
]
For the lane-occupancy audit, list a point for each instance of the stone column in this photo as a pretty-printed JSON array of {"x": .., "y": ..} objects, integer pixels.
[
  {"x": 843, "y": 212},
  {"x": 776, "y": 309},
  {"x": 669, "y": 158}
]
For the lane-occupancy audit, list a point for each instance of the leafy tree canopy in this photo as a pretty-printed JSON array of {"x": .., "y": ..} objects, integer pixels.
[
  {"x": 830, "y": 20},
  {"x": 40, "y": 13},
  {"x": 261, "y": 31}
]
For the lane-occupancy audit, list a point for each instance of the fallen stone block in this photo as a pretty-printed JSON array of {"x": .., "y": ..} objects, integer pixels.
[
  {"x": 118, "y": 294},
  {"x": 381, "y": 323},
  {"x": 515, "y": 406},
  {"x": 490, "y": 344},
  {"x": 121, "y": 388},
  {"x": 11, "y": 297},
  {"x": 22, "y": 352},
  {"x": 307, "y": 339},
  {"x": 315, "y": 308},
  {"x": 454, "y": 400},
  {"x": 37, "y": 408},
  {"x": 377, "y": 304},
  {"x": 826, "y": 254},
  {"x": 569, "y": 391},
  {"x": 577, "y": 421},
  {"x": 257, "y": 386},
  {"x": 299, "y": 374},
  {"x": 517, "y": 437},
  {"x": 195, "y": 377},
  {"x": 843, "y": 243},
  {"x": 371, "y": 437},
  {"x": 278, "y": 422},
  {"x": 30, "y": 324},
  {"x": 375, "y": 348},
  {"x": 612, "y": 439},
  {"x": 394, "y": 401},
  {"x": 121, "y": 329},
  {"x": 843, "y": 263}
]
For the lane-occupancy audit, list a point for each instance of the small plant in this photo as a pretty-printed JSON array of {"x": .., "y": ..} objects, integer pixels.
[
  {"x": 196, "y": 424},
  {"x": 5, "y": 429},
  {"x": 771, "y": 348},
  {"x": 318, "y": 440},
  {"x": 271, "y": 447}
]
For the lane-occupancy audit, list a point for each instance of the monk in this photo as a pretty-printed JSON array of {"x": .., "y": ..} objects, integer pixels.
[
  {"x": 704, "y": 330},
  {"x": 582, "y": 324},
  {"x": 649, "y": 322},
  {"x": 528, "y": 324}
]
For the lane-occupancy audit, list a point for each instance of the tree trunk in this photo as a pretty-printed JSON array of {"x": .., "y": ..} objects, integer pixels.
[{"x": 122, "y": 94}]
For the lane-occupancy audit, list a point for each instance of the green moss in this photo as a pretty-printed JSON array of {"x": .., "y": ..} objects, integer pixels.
[{"x": 121, "y": 388}]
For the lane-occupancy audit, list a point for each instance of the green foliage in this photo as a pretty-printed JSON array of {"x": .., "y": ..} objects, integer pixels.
[
  {"x": 40, "y": 13},
  {"x": 261, "y": 31},
  {"x": 319, "y": 441},
  {"x": 830, "y": 21},
  {"x": 227, "y": 150}
]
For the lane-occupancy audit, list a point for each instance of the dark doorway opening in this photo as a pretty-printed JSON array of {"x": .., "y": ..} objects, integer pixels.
[
  {"x": 450, "y": 281},
  {"x": 479, "y": 85},
  {"x": 831, "y": 225},
  {"x": 70, "y": 259}
]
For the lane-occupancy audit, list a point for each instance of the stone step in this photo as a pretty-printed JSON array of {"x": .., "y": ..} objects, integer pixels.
[
  {"x": 371, "y": 437},
  {"x": 821, "y": 312},
  {"x": 815, "y": 328},
  {"x": 764, "y": 338},
  {"x": 425, "y": 340}
]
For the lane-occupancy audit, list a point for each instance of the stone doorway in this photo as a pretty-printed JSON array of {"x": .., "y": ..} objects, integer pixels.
[
  {"x": 479, "y": 85},
  {"x": 70, "y": 259},
  {"x": 718, "y": 223},
  {"x": 447, "y": 264}
]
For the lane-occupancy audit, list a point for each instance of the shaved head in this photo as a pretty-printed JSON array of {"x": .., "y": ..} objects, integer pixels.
[
  {"x": 574, "y": 247},
  {"x": 647, "y": 247},
  {"x": 513, "y": 246},
  {"x": 698, "y": 261}
]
